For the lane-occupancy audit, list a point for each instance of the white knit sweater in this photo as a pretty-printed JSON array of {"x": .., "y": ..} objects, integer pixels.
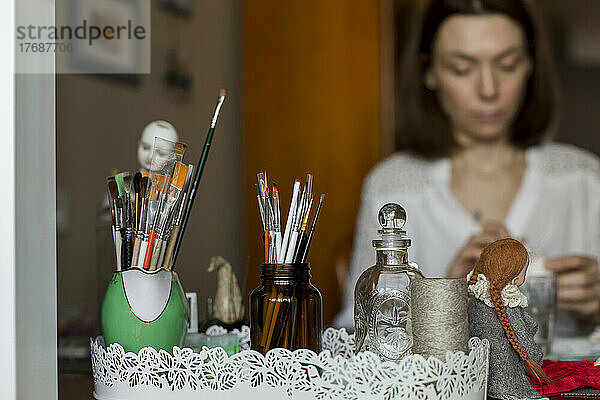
[{"x": 556, "y": 211}]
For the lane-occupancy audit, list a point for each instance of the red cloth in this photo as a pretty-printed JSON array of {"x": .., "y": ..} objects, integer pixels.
[{"x": 567, "y": 376}]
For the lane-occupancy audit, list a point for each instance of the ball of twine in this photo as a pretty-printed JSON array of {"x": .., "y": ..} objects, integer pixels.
[{"x": 439, "y": 316}]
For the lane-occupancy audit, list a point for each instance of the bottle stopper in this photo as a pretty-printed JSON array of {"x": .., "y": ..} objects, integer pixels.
[{"x": 392, "y": 218}]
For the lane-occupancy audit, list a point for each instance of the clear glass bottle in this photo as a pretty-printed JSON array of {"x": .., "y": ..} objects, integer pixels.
[
  {"x": 286, "y": 310},
  {"x": 382, "y": 317}
]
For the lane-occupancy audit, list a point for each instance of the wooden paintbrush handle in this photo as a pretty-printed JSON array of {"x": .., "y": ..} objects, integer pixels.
[
  {"x": 301, "y": 248},
  {"x": 149, "y": 249},
  {"x": 268, "y": 314},
  {"x": 155, "y": 254},
  {"x": 272, "y": 322},
  {"x": 118, "y": 244},
  {"x": 170, "y": 247},
  {"x": 142, "y": 255},
  {"x": 281, "y": 330},
  {"x": 267, "y": 246},
  {"x": 137, "y": 243},
  {"x": 136, "y": 216},
  {"x": 123, "y": 249},
  {"x": 162, "y": 250},
  {"x": 128, "y": 247}
]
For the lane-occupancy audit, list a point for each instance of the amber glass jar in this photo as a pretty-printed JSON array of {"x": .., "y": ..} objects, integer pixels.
[{"x": 286, "y": 310}]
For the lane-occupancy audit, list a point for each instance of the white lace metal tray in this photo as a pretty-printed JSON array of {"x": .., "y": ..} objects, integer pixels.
[{"x": 335, "y": 373}]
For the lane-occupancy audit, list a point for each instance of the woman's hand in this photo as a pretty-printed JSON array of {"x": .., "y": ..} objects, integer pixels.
[
  {"x": 468, "y": 256},
  {"x": 578, "y": 286}
]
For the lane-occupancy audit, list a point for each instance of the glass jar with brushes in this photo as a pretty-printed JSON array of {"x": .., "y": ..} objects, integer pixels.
[
  {"x": 286, "y": 309},
  {"x": 382, "y": 315}
]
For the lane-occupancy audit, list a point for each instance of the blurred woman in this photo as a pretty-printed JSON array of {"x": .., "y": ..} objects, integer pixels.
[{"x": 477, "y": 104}]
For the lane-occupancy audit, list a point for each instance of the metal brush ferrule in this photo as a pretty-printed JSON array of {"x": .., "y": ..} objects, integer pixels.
[
  {"x": 181, "y": 209},
  {"x": 118, "y": 217},
  {"x": 164, "y": 217},
  {"x": 142, "y": 215}
]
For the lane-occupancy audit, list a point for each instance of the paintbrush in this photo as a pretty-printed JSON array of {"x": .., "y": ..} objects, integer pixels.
[
  {"x": 111, "y": 205},
  {"x": 291, "y": 250},
  {"x": 139, "y": 235},
  {"x": 276, "y": 222},
  {"x": 164, "y": 158},
  {"x": 120, "y": 183},
  {"x": 309, "y": 185},
  {"x": 174, "y": 231},
  {"x": 128, "y": 229},
  {"x": 267, "y": 240},
  {"x": 127, "y": 185},
  {"x": 172, "y": 195},
  {"x": 150, "y": 212},
  {"x": 289, "y": 221},
  {"x": 151, "y": 233},
  {"x": 120, "y": 179},
  {"x": 261, "y": 209},
  {"x": 180, "y": 149},
  {"x": 166, "y": 235},
  {"x": 114, "y": 194},
  {"x": 264, "y": 207},
  {"x": 265, "y": 198},
  {"x": 312, "y": 230},
  {"x": 137, "y": 180},
  {"x": 271, "y": 213},
  {"x": 158, "y": 194},
  {"x": 302, "y": 237},
  {"x": 199, "y": 171},
  {"x": 156, "y": 245}
]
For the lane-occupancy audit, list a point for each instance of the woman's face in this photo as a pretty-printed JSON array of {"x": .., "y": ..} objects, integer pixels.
[{"x": 479, "y": 72}]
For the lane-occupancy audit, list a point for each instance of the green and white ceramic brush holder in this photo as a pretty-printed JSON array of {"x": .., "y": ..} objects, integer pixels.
[{"x": 145, "y": 309}]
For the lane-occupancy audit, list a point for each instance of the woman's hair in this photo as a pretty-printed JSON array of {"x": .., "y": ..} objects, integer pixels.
[
  {"x": 500, "y": 262},
  {"x": 422, "y": 126}
]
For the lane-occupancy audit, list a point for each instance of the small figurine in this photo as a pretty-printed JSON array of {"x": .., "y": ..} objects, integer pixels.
[
  {"x": 497, "y": 313},
  {"x": 227, "y": 306}
]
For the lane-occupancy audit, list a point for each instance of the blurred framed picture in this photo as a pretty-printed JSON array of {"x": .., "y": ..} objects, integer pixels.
[
  {"x": 123, "y": 59},
  {"x": 182, "y": 7}
]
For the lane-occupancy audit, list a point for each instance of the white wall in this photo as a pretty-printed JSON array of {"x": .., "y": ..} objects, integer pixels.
[
  {"x": 35, "y": 237},
  {"x": 27, "y": 221},
  {"x": 8, "y": 376}
]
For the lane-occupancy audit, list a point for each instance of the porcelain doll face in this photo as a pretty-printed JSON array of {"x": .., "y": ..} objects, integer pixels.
[{"x": 154, "y": 129}]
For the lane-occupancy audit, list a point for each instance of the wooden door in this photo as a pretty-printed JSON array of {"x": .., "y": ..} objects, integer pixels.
[{"x": 312, "y": 104}]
